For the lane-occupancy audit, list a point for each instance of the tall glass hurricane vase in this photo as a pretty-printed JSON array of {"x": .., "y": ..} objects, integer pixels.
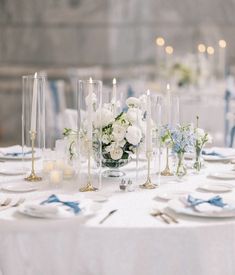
[
  {"x": 33, "y": 120},
  {"x": 89, "y": 99}
]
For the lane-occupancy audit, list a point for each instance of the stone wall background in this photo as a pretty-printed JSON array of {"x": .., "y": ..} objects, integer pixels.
[{"x": 114, "y": 34}]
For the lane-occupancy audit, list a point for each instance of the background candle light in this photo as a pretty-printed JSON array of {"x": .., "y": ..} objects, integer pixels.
[{"x": 222, "y": 57}]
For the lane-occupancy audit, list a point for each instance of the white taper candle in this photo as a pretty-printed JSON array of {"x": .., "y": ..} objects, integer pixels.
[
  {"x": 89, "y": 110},
  {"x": 148, "y": 125},
  {"x": 34, "y": 104}
]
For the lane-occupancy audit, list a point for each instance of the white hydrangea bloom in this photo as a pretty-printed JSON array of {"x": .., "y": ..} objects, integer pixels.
[{"x": 133, "y": 135}]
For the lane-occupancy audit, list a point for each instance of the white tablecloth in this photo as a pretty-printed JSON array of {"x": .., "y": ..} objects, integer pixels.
[{"x": 131, "y": 242}]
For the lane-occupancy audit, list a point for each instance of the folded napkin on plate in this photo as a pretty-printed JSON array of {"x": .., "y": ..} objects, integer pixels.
[
  {"x": 71, "y": 204},
  {"x": 211, "y": 205},
  {"x": 14, "y": 150},
  {"x": 219, "y": 152},
  {"x": 216, "y": 201}
]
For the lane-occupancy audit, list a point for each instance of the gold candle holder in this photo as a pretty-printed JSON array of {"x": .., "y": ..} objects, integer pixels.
[
  {"x": 167, "y": 172},
  {"x": 89, "y": 186},
  {"x": 148, "y": 184},
  {"x": 33, "y": 177}
]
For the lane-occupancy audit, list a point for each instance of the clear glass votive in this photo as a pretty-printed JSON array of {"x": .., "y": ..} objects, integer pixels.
[
  {"x": 48, "y": 163},
  {"x": 69, "y": 172},
  {"x": 56, "y": 177},
  {"x": 48, "y": 166},
  {"x": 60, "y": 164}
]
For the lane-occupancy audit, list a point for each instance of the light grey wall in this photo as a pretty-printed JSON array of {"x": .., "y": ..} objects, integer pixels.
[
  {"x": 114, "y": 34},
  {"x": 108, "y": 32}
]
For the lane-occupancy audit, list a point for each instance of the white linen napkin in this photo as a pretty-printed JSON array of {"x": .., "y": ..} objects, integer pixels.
[{"x": 15, "y": 149}]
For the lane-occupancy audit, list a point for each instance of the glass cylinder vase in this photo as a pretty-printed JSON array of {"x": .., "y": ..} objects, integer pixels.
[
  {"x": 33, "y": 118},
  {"x": 89, "y": 100},
  {"x": 198, "y": 160}
]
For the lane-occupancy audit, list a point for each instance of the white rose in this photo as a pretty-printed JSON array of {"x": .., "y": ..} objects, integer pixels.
[
  {"x": 134, "y": 115},
  {"x": 133, "y": 135},
  {"x": 119, "y": 132},
  {"x": 103, "y": 117},
  {"x": 93, "y": 99},
  {"x": 133, "y": 102},
  {"x": 116, "y": 153}
]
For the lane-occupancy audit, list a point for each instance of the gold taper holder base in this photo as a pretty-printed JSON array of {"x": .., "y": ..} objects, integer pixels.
[
  {"x": 88, "y": 188},
  {"x": 148, "y": 185},
  {"x": 167, "y": 172},
  {"x": 33, "y": 177}
]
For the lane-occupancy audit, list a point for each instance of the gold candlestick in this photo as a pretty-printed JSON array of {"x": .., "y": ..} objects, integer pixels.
[
  {"x": 167, "y": 171},
  {"x": 33, "y": 176},
  {"x": 148, "y": 184},
  {"x": 89, "y": 187}
]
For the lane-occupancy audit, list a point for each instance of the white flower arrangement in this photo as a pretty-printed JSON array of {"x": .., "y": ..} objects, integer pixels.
[{"x": 120, "y": 135}]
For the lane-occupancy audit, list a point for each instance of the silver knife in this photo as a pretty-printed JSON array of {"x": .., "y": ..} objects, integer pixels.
[{"x": 108, "y": 215}]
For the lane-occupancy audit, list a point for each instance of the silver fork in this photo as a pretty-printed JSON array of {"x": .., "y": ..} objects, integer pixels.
[
  {"x": 167, "y": 218},
  {"x": 17, "y": 203}
]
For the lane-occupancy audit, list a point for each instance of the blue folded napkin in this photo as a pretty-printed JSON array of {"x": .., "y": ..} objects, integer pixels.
[
  {"x": 16, "y": 154},
  {"x": 216, "y": 201},
  {"x": 72, "y": 204},
  {"x": 212, "y": 153}
]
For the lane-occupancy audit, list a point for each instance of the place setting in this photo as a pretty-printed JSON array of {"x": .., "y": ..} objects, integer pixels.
[{"x": 208, "y": 206}]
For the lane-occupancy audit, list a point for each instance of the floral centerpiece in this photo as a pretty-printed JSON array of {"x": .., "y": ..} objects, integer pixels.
[
  {"x": 182, "y": 140},
  {"x": 201, "y": 138},
  {"x": 115, "y": 137}
]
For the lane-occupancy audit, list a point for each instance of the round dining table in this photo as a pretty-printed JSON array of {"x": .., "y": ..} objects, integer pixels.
[{"x": 129, "y": 242}]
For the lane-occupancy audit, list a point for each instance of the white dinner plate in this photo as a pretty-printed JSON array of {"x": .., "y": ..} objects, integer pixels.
[
  {"x": 19, "y": 189},
  {"x": 222, "y": 175},
  {"x": 217, "y": 187},
  {"x": 217, "y": 158},
  {"x": 171, "y": 194},
  {"x": 37, "y": 155},
  {"x": 57, "y": 211},
  {"x": 12, "y": 171},
  {"x": 179, "y": 207}
]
